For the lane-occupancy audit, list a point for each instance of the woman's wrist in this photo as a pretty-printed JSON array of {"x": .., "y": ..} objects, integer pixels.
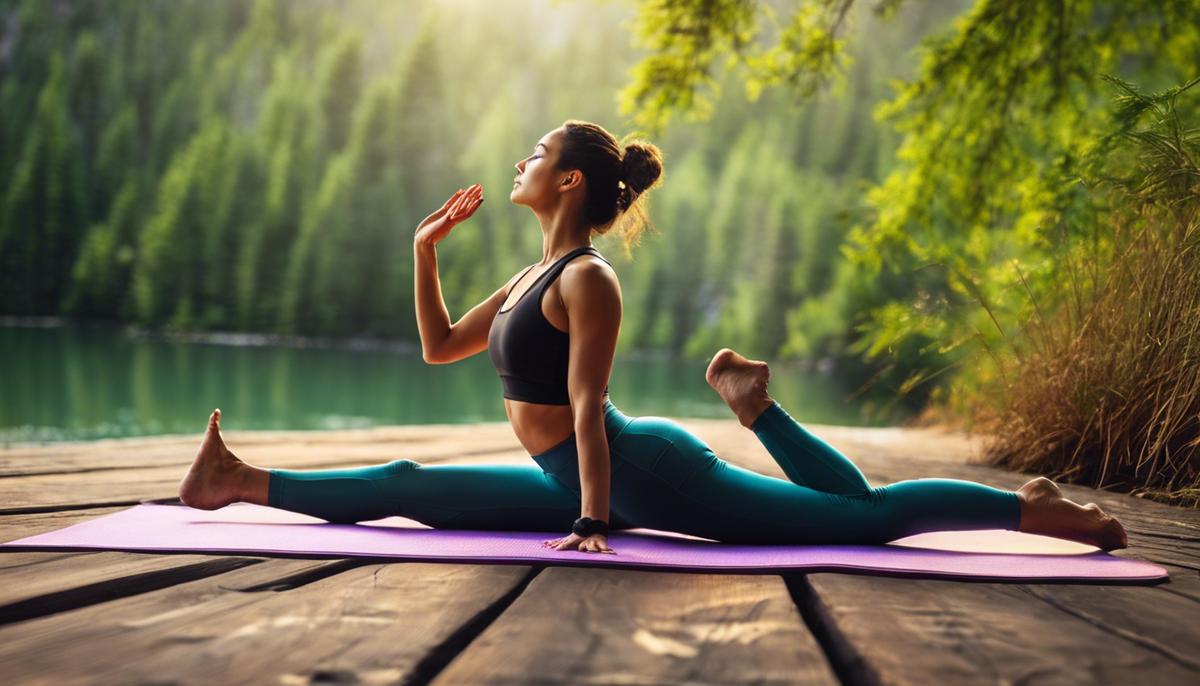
[{"x": 586, "y": 526}]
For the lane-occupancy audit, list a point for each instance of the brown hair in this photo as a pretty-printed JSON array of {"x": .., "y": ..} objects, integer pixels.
[{"x": 616, "y": 180}]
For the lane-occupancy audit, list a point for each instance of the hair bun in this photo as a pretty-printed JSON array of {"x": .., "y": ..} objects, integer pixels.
[{"x": 641, "y": 165}]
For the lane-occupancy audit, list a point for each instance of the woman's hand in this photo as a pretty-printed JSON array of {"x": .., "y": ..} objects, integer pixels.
[
  {"x": 458, "y": 208},
  {"x": 596, "y": 543}
]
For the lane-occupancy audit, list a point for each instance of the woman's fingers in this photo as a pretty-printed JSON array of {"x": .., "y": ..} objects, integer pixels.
[
  {"x": 464, "y": 201},
  {"x": 583, "y": 545},
  {"x": 472, "y": 207},
  {"x": 457, "y": 206},
  {"x": 450, "y": 201},
  {"x": 454, "y": 199}
]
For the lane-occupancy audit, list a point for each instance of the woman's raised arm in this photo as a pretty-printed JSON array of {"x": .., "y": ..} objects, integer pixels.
[{"x": 433, "y": 319}]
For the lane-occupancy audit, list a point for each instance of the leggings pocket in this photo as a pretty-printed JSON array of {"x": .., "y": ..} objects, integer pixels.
[{"x": 663, "y": 448}]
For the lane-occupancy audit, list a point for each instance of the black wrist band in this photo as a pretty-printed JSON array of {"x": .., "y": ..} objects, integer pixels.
[{"x": 586, "y": 526}]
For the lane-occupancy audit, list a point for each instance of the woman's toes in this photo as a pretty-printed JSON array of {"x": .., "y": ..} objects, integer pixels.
[
  {"x": 1112, "y": 535},
  {"x": 1107, "y": 532},
  {"x": 1122, "y": 536}
]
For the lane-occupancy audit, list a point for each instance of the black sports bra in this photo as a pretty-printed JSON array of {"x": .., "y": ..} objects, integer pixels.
[{"x": 530, "y": 354}]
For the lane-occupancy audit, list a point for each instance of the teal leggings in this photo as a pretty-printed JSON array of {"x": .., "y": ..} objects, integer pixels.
[{"x": 663, "y": 477}]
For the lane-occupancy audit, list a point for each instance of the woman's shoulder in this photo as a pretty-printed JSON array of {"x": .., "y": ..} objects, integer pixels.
[
  {"x": 588, "y": 267},
  {"x": 589, "y": 277}
]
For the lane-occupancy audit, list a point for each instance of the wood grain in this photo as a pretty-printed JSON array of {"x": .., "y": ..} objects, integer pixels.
[{"x": 578, "y": 625}]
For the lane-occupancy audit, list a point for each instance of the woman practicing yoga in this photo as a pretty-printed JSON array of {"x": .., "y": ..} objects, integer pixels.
[{"x": 552, "y": 338}]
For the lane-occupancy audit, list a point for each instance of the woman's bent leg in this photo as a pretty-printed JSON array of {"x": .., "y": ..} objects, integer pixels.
[
  {"x": 805, "y": 458},
  {"x": 491, "y": 497},
  {"x": 670, "y": 480}
]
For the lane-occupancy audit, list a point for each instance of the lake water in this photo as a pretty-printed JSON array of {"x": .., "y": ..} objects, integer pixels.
[{"x": 60, "y": 383}]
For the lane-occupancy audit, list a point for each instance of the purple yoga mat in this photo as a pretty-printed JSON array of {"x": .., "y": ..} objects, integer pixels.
[{"x": 246, "y": 528}]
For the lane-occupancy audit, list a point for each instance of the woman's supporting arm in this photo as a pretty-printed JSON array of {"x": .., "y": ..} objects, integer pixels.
[
  {"x": 592, "y": 296},
  {"x": 594, "y": 461}
]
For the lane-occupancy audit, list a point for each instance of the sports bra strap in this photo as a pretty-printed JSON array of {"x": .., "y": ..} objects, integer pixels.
[{"x": 559, "y": 266}]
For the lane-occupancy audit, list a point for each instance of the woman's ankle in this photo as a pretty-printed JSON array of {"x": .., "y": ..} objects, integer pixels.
[
  {"x": 758, "y": 411},
  {"x": 255, "y": 485}
]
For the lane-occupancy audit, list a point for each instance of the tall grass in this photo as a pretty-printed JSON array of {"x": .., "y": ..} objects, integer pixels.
[{"x": 1103, "y": 388}]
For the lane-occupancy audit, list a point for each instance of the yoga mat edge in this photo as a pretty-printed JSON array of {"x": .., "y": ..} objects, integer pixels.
[{"x": 171, "y": 522}]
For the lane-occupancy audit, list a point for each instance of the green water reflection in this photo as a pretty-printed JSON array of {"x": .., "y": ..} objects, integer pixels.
[{"x": 80, "y": 383}]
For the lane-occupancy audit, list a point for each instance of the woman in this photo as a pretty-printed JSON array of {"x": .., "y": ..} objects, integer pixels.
[{"x": 551, "y": 332}]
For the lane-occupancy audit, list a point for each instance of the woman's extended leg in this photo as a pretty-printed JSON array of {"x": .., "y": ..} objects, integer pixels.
[
  {"x": 809, "y": 461},
  {"x": 805, "y": 458},
  {"x": 494, "y": 497},
  {"x": 670, "y": 479},
  {"x": 489, "y": 497}
]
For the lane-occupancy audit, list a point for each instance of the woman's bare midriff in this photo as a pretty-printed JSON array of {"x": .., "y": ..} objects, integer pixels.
[{"x": 540, "y": 427}]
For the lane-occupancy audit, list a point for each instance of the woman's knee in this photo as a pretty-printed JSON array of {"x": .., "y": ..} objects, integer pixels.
[{"x": 401, "y": 466}]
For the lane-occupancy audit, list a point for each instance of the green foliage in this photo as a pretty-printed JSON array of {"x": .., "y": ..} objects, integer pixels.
[
  {"x": 685, "y": 39},
  {"x": 997, "y": 127},
  {"x": 690, "y": 40},
  {"x": 807, "y": 51}
]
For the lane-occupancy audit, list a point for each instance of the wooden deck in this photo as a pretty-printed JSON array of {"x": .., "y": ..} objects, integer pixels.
[{"x": 113, "y": 617}]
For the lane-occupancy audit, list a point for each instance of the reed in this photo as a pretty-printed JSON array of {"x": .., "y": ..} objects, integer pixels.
[{"x": 1102, "y": 387}]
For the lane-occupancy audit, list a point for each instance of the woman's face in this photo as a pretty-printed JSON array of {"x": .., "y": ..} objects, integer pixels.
[{"x": 537, "y": 178}]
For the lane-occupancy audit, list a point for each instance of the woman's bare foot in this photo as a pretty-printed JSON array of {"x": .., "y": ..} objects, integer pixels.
[
  {"x": 1045, "y": 511},
  {"x": 217, "y": 476},
  {"x": 741, "y": 383}
]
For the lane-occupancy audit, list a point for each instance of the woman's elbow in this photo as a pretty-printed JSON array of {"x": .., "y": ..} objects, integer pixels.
[{"x": 587, "y": 408}]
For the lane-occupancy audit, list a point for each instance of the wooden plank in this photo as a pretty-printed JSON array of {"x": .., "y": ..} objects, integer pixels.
[
  {"x": 895, "y": 630},
  {"x": 593, "y": 625},
  {"x": 26, "y": 576},
  {"x": 287, "y": 448},
  {"x": 127, "y": 487},
  {"x": 81, "y": 480},
  {"x": 376, "y": 623},
  {"x": 901, "y": 631},
  {"x": 67, "y": 584}
]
